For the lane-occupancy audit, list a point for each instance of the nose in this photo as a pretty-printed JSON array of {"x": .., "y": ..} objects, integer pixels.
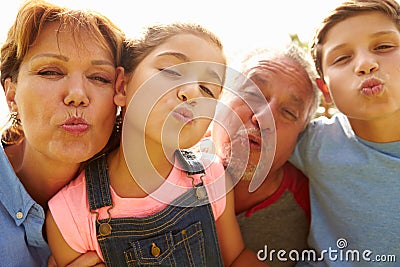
[
  {"x": 188, "y": 92},
  {"x": 76, "y": 94},
  {"x": 366, "y": 64},
  {"x": 263, "y": 118}
]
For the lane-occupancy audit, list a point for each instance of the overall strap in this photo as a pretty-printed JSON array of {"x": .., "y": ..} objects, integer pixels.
[
  {"x": 98, "y": 184},
  {"x": 189, "y": 162}
]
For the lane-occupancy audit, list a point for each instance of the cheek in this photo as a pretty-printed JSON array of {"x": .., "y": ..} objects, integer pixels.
[
  {"x": 36, "y": 111},
  {"x": 219, "y": 137},
  {"x": 105, "y": 117},
  {"x": 286, "y": 140}
]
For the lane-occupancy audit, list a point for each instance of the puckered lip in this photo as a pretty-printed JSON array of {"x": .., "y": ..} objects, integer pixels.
[
  {"x": 75, "y": 125},
  {"x": 183, "y": 114},
  {"x": 255, "y": 139},
  {"x": 371, "y": 82},
  {"x": 75, "y": 121},
  {"x": 371, "y": 87}
]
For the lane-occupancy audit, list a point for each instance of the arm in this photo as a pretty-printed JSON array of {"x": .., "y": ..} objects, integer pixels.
[
  {"x": 62, "y": 253},
  {"x": 88, "y": 259},
  {"x": 230, "y": 239}
]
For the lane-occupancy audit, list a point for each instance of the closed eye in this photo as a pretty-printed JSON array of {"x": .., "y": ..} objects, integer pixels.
[
  {"x": 290, "y": 115},
  {"x": 340, "y": 59},
  {"x": 100, "y": 79},
  {"x": 170, "y": 72},
  {"x": 384, "y": 47},
  {"x": 207, "y": 91},
  {"x": 50, "y": 73}
]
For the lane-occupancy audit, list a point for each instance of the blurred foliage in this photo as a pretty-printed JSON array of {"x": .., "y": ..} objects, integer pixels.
[
  {"x": 295, "y": 39},
  {"x": 324, "y": 108}
]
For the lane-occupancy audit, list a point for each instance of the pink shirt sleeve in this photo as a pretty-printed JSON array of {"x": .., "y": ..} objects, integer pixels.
[
  {"x": 77, "y": 225},
  {"x": 70, "y": 211},
  {"x": 215, "y": 183}
]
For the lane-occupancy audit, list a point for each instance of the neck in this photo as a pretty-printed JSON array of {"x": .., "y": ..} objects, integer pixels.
[
  {"x": 41, "y": 176},
  {"x": 138, "y": 174},
  {"x": 245, "y": 200},
  {"x": 162, "y": 159},
  {"x": 381, "y": 130}
]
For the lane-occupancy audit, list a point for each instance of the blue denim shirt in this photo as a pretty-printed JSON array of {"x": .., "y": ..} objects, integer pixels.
[{"x": 21, "y": 222}]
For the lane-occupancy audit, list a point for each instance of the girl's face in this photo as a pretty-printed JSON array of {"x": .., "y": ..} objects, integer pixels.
[
  {"x": 362, "y": 66},
  {"x": 64, "y": 95},
  {"x": 173, "y": 91}
]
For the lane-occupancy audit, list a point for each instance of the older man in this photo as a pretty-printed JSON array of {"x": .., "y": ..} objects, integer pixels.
[{"x": 273, "y": 104}]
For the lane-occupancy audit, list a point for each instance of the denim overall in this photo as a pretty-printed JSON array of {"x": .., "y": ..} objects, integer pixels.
[{"x": 183, "y": 234}]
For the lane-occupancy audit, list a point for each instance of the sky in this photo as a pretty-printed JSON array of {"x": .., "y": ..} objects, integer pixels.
[{"x": 241, "y": 25}]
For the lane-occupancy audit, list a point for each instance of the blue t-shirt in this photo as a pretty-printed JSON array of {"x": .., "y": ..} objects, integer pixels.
[
  {"x": 21, "y": 222},
  {"x": 354, "y": 194}
]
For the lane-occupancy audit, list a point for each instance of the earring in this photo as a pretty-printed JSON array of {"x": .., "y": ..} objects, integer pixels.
[
  {"x": 14, "y": 134},
  {"x": 15, "y": 121},
  {"x": 118, "y": 123}
]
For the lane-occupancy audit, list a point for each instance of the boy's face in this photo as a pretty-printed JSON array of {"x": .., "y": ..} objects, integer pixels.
[{"x": 361, "y": 66}]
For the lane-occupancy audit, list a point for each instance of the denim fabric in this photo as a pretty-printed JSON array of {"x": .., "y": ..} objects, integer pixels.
[
  {"x": 183, "y": 234},
  {"x": 21, "y": 219}
]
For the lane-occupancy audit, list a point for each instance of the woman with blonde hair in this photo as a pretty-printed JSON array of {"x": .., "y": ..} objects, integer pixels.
[{"x": 59, "y": 70}]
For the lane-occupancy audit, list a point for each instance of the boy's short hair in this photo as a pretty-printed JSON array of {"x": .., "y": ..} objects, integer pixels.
[{"x": 347, "y": 9}]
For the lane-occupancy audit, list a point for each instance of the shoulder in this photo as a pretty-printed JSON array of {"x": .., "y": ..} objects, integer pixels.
[
  {"x": 70, "y": 211},
  {"x": 215, "y": 182},
  {"x": 73, "y": 196},
  {"x": 13, "y": 195},
  {"x": 211, "y": 161},
  {"x": 322, "y": 129},
  {"x": 324, "y": 123}
]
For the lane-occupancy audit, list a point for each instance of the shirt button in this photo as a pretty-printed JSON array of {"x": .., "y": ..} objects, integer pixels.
[{"x": 19, "y": 215}]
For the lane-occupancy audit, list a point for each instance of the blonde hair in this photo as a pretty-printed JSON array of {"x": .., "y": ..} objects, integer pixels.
[{"x": 32, "y": 17}]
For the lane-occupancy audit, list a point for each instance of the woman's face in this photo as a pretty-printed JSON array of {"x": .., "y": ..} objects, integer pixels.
[{"x": 64, "y": 95}]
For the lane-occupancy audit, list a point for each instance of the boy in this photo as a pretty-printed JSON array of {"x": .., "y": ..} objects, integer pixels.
[{"x": 353, "y": 159}]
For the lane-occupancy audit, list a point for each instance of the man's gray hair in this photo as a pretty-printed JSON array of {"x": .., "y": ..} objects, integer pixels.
[{"x": 295, "y": 53}]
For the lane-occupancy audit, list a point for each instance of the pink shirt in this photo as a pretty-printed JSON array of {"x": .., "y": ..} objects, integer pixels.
[{"x": 77, "y": 225}]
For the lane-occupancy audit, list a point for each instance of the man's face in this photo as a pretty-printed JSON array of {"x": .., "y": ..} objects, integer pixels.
[{"x": 273, "y": 102}]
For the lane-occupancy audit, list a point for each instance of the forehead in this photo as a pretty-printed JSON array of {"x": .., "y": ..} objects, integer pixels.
[
  {"x": 348, "y": 29},
  {"x": 54, "y": 33},
  {"x": 283, "y": 74},
  {"x": 193, "y": 47}
]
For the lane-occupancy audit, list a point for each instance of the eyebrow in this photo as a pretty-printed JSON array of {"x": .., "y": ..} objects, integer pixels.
[
  {"x": 215, "y": 75},
  {"x": 174, "y": 54},
  {"x": 383, "y": 33},
  {"x": 57, "y": 56},
  {"x": 183, "y": 57},
  {"x": 293, "y": 97},
  {"x": 297, "y": 100},
  {"x": 66, "y": 59},
  {"x": 374, "y": 35}
]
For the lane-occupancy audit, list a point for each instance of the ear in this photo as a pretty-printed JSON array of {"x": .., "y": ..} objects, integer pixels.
[
  {"x": 325, "y": 91},
  {"x": 120, "y": 94},
  {"x": 10, "y": 92}
]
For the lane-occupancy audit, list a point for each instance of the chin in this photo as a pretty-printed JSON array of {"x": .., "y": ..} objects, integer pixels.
[{"x": 74, "y": 155}]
